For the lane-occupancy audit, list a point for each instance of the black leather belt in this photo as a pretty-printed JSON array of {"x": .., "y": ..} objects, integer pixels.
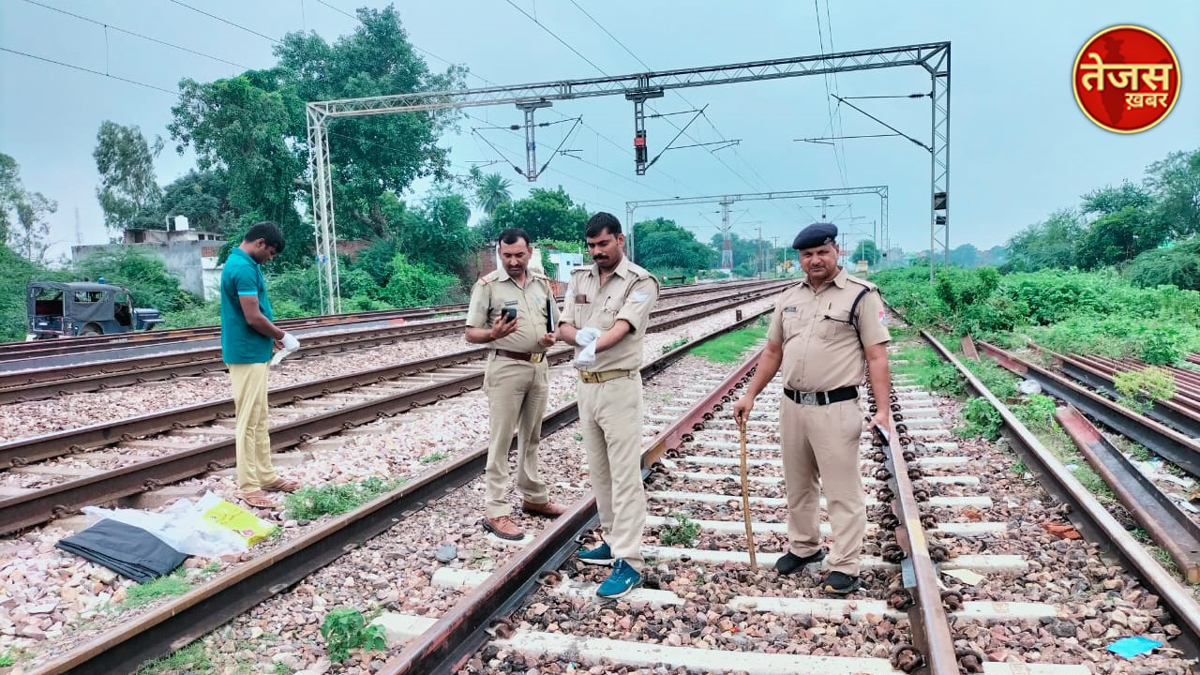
[{"x": 821, "y": 397}]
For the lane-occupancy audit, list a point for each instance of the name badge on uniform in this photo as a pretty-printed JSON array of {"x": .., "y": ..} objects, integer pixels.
[
  {"x": 510, "y": 303},
  {"x": 789, "y": 309},
  {"x": 581, "y": 299}
]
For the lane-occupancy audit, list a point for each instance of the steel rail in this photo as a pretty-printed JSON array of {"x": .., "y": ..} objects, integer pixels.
[
  {"x": 1166, "y": 523},
  {"x": 459, "y": 633},
  {"x": 926, "y": 613},
  {"x": 189, "y": 617},
  {"x": 38, "y": 384},
  {"x": 1170, "y": 444},
  {"x": 1179, "y": 412},
  {"x": 21, "y": 452},
  {"x": 1096, "y": 523},
  {"x": 10, "y": 351},
  {"x": 45, "y": 504}
]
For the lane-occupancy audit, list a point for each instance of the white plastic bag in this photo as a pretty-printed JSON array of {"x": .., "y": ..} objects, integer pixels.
[{"x": 179, "y": 526}]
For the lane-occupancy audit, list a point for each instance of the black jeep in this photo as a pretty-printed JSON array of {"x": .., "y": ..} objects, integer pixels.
[{"x": 58, "y": 309}]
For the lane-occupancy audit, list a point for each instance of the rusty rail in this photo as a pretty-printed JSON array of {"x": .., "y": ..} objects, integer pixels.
[
  {"x": 190, "y": 616},
  {"x": 1088, "y": 516},
  {"x": 459, "y": 633},
  {"x": 1167, "y": 525},
  {"x": 1181, "y": 412},
  {"x": 48, "y": 382},
  {"x": 1172, "y": 445}
]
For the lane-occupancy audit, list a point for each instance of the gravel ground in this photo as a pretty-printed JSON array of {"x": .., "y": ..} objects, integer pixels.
[
  {"x": 80, "y": 599},
  {"x": 34, "y": 418},
  {"x": 1097, "y": 603}
]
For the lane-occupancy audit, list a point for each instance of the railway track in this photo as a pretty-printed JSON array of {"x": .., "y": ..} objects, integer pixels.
[
  {"x": 30, "y": 351},
  {"x": 377, "y": 393},
  {"x": 62, "y": 380},
  {"x": 272, "y": 572}
]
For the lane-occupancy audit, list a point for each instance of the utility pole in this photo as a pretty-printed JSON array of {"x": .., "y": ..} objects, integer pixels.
[
  {"x": 726, "y": 241},
  {"x": 78, "y": 230},
  {"x": 761, "y": 265},
  {"x": 775, "y": 252}
]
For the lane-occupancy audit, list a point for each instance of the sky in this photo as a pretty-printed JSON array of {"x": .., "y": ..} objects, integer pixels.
[{"x": 1020, "y": 147}]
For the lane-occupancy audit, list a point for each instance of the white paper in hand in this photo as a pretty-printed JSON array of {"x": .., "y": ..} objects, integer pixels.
[
  {"x": 280, "y": 355},
  {"x": 586, "y": 336}
]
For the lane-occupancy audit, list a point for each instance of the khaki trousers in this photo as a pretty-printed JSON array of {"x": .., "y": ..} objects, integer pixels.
[
  {"x": 611, "y": 416},
  {"x": 821, "y": 442},
  {"x": 517, "y": 393},
  {"x": 254, "y": 468}
]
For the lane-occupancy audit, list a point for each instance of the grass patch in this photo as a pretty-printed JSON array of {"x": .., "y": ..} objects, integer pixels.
[
  {"x": 434, "y": 457},
  {"x": 334, "y": 498},
  {"x": 190, "y": 659},
  {"x": 345, "y": 629},
  {"x": 175, "y": 583},
  {"x": 684, "y": 531},
  {"x": 729, "y": 347},
  {"x": 282, "y": 669},
  {"x": 673, "y": 345},
  {"x": 929, "y": 370}
]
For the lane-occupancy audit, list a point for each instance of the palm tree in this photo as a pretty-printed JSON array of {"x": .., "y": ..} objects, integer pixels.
[{"x": 492, "y": 191}]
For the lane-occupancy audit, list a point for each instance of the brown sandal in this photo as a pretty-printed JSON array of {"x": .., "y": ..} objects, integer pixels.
[
  {"x": 281, "y": 485},
  {"x": 258, "y": 500}
]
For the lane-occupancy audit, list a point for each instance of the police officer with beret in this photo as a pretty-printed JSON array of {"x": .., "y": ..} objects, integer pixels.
[{"x": 822, "y": 332}]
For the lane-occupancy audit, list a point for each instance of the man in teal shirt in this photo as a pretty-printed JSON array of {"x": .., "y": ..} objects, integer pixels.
[{"x": 247, "y": 337}]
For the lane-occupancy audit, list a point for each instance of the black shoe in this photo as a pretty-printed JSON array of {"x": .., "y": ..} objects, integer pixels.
[
  {"x": 840, "y": 583},
  {"x": 790, "y": 562}
]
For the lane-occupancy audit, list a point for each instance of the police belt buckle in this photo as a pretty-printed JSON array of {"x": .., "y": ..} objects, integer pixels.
[
  {"x": 807, "y": 397},
  {"x": 536, "y": 357}
]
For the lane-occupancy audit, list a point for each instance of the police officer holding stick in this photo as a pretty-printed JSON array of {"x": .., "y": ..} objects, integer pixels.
[{"x": 822, "y": 332}]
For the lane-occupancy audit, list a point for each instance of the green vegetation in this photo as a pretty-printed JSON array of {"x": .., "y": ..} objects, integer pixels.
[
  {"x": 345, "y": 629},
  {"x": 1036, "y": 413},
  {"x": 191, "y": 659},
  {"x": 7, "y": 658},
  {"x": 983, "y": 421},
  {"x": 1141, "y": 388},
  {"x": 175, "y": 583},
  {"x": 684, "y": 531},
  {"x": 929, "y": 370},
  {"x": 310, "y": 503},
  {"x": 730, "y": 347},
  {"x": 434, "y": 457},
  {"x": 674, "y": 344}
]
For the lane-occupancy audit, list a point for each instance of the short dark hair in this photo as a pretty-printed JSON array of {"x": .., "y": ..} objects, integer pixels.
[
  {"x": 602, "y": 222},
  {"x": 267, "y": 231},
  {"x": 511, "y": 235}
]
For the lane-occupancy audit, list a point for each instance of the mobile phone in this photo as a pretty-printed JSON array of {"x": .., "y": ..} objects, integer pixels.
[{"x": 508, "y": 314}]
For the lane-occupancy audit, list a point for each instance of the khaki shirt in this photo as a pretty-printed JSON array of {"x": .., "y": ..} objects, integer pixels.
[
  {"x": 495, "y": 291},
  {"x": 819, "y": 353},
  {"x": 629, "y": 294}
]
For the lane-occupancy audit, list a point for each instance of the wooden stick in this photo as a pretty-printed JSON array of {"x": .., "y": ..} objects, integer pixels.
[{"x": 746, "y": 500}]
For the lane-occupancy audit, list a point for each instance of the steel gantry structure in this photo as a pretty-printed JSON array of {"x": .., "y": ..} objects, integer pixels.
[
  {"x": 934, "y": 57},
  {"x": 728, "y": 200}
]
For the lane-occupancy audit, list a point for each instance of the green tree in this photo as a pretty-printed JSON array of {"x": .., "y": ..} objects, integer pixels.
[
  {"x": 866, "y": 250},
  {"x": 1175, "y": 183},
  {"x": 1118, "y": 237},
  {"x": 745, "y": 251},
  {"x": 23, "y": 213},
  {"x": 1177, "y": 265},
  {"x": 415, "y": 284},
  {"x": 128, "y": 192},
  {"x": 1109, "y": 200},
  {"x": 964, "y": 256},
  {"x": 544, "y": 214},
  {"x": 661, "y": 244},
  {"x": 437, "y": 234},
  {"x": 203, "y": 197},
  {"x": 1051, "y": 243},
  {"x": 491, "y": 190},
  {"x": 376, "y": 154}
]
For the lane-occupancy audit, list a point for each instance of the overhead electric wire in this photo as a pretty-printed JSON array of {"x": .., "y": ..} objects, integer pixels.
[
  {"x": 556, "y": 37},
  {"x": 136, "y": 34},
  {"x": 89, "y": 70},
  {"x": 226, "y": 21}
]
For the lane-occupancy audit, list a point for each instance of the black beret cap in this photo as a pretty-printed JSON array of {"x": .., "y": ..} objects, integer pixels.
[{"x": 815, "y": 235}]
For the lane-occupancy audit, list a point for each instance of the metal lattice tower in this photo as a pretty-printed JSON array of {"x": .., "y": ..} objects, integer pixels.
[
  {"x": 728, "y": 200},
  {"x": 934, "y": 57}
]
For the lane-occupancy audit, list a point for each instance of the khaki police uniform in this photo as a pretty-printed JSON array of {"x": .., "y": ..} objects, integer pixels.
[
  {"x": 610, "y": 398},
  {"x": 516, "y": 381},
  {"x": 821, "y": 353}
]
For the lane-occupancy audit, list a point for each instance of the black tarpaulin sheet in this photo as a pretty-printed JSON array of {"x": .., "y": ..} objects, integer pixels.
[{"x": 127, "y": 550}]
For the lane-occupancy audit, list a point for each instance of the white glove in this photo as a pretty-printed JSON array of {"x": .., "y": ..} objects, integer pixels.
[
  {"x": 290, "y": 343},
  {"x": 586, "y": 358},
  {"x": 587, "y": 336}
]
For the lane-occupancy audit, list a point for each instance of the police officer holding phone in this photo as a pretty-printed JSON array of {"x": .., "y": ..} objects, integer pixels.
[{"x": 511, "y": 311}]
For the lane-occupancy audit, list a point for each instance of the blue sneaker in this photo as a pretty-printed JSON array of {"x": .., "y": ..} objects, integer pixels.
[
  {"x": 622, "y": 580},
  {"x": 601, "y": 555}
]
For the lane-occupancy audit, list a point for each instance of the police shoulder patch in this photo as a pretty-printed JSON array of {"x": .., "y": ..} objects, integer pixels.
[{"x": 789, "y": 309}]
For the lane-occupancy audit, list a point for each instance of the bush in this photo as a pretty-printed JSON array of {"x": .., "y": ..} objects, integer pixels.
[
  {"x": 144, "y": 275},
  {"x": 1036, "y": 413},
  {"x": 1177, "y": 266},
  {"x": 414, "y": 284},
  {"x": 983, "y": 421},
  {"x": 207, "y": 314},
  {"x": 345, "y": 629}
]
